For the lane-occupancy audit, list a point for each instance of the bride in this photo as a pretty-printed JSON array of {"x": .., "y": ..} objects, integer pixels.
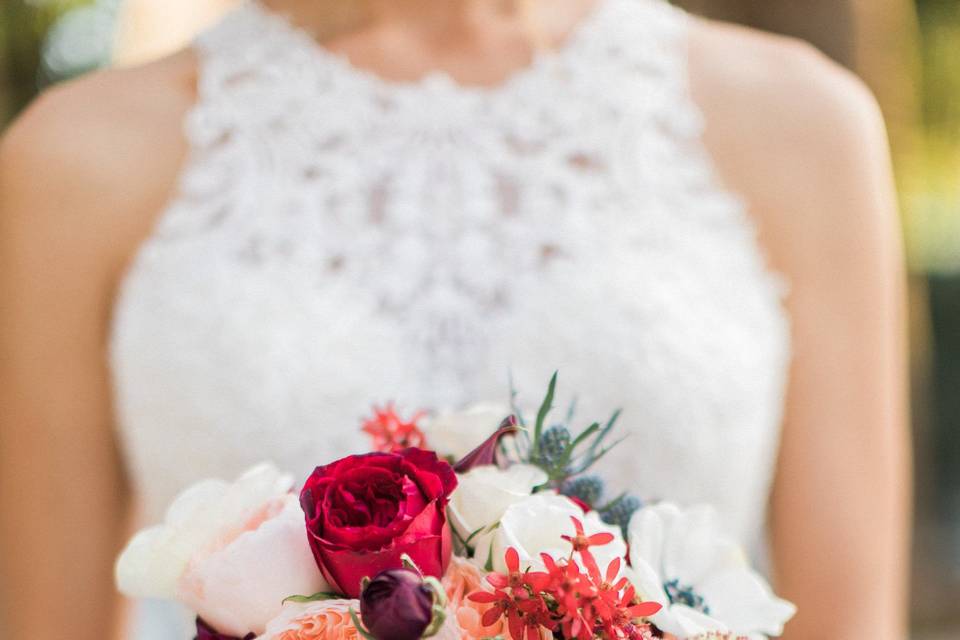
[{"x": 221, "y": 257}]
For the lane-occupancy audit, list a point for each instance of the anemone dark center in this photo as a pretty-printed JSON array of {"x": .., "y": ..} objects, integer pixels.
[{"x": 685, "y": 595}]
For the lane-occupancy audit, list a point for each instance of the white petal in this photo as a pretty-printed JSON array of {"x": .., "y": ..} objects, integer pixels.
[
  {"x": 535, "y": 525},
  {"x": 699, "y": 556},
  {"x": 240, "y": 588},
  {"x": 532, "y": 526},
  {"x": 646, "y": 535},
  {"x": 647, "y": 582},
  {"x": 694, "y": 545},
  {"x": 257, "y": 486},
  {"x": 155, "y": 558},
  {"x": 458, "y": 433},
  {"x": 690, "y": 548},
  {"x": 140, "y": 573},
  {"x": 484, "y": 494},
  {"x": 483, "y": 546},
  {"x": 684, "y": 622},
  {"x": 194, "y": 501},
  {"x": 744, "y": 601}
]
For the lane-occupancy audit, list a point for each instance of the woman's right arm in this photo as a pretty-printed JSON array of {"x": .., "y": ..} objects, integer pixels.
[{"x": 80, "y": 176}]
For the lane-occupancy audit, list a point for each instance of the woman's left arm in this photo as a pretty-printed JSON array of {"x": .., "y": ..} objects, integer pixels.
[
  {"x": 804, "y": 142},
  {"x": 841, "y": 503}
]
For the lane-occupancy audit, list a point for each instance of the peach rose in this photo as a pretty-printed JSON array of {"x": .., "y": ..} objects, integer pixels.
[
  {"x": 462, "y": 579},
  {"x": 321, "y": 620}
]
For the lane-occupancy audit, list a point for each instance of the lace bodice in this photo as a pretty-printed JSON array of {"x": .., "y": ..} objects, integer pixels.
[{"x": 338, "y": 239}]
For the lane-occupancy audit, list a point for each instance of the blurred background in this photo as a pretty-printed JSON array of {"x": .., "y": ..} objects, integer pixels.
[{"x": 908, "y": 51}]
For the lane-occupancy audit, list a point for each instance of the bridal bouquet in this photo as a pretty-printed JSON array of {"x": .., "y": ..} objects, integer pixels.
[{"x": 510, "y": 540}]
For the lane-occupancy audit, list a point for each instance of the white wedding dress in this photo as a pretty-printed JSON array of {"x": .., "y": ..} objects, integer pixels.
[{"x": 338, "y": 239}]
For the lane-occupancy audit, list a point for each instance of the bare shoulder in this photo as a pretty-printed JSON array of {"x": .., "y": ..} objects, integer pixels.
[
  {"x": 98, "y": 154},
  {"x": 784, "y": 86},
  {"x": 798, "y": 136}
]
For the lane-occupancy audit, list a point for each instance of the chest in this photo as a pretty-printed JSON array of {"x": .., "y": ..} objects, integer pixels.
[
  {"x": 266, "y": 325},
  {"x": 454, "y": 244}
]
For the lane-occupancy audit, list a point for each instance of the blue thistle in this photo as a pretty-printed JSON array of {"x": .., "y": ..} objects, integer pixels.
[
  {"x": 620, "y": 511},
  {"x": 553, "y": 445},
  {"x": 586, "y": 488}
]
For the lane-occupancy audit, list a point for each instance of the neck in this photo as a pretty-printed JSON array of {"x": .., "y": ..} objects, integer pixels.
[{"x": 327, "y": 19}]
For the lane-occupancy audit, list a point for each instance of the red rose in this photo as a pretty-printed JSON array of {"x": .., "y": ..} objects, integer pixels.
[{"x": 364, "y": 512}]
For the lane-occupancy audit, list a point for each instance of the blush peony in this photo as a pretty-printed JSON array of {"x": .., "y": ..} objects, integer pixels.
[{"x": 229, "y": 552}]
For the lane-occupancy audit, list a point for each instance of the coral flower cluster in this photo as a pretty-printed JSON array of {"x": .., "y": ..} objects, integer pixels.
[
  {"x": 573, "y": 596},
  {"x": 391, "y": 433}
]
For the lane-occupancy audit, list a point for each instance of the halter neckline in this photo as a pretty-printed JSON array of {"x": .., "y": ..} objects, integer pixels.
[{"x": 540, "y": 62}]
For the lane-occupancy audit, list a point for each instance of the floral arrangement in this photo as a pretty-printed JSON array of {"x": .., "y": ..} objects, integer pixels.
[{"x": 511, "y": 539}]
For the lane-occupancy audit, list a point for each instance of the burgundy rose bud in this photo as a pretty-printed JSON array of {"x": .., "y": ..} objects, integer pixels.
[
  {"x": 397, "y": 605},
  {"x": 486, "y": 453},
  {"x": 206, "y": 632}
]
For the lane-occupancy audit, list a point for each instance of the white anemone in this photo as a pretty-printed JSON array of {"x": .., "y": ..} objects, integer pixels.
[
  {"x": 484, "y": 493},
  {"x": 456, "y": 434},
  {"x": 535, "y": 525},
  {"x": 682, "y": 560}
]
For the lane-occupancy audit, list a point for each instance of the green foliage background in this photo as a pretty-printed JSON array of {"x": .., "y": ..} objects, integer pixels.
[
  {"x": 929, "y": 176},
  {"x": 23, "y": 26}
]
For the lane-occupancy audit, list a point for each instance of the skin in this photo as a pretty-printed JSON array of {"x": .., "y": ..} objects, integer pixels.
[
  {"x": 86, "y": 170},
  {"x": 147, "y": 30}
]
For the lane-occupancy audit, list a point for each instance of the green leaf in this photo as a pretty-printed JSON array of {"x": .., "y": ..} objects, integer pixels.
[
  {"x": 613, "y": 419},
  {"x": 457, "y": 538},
  {"x": 606, "y": 431},
  {"x": 562, "y": 470},
  {"x": 586, "y": 433},
  {"x": 571, "y": 410},
  {"x": 543, "y": 487},
  {"x": 613, "y": 502},
  {"x": 465, "y": 542},
  {"x": 592, "y": 458},
  {"x": 408, "y": 563},
  {"x": 436, "y": 588},
  {"x": 488, "y": 567},
  {"x": 323, "y": 595},
  {"x": 544, "y": 410},
  {"x": 513, "y": 402},
  {"x": 439, "y": 616},
  {"x": 477, "y": 532},
  {"x": 356, "y": 622},
  {"x": 516, "y": 447}
]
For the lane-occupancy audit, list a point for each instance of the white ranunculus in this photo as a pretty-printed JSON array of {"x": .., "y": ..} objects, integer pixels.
[
  {"x": 484, "y": 493},
  {"x": 682, "y": 560},
  {"x": 230, "y": 552},
  {"x": 535, "y": 525},
  {"x": 457, "y": 433}
]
